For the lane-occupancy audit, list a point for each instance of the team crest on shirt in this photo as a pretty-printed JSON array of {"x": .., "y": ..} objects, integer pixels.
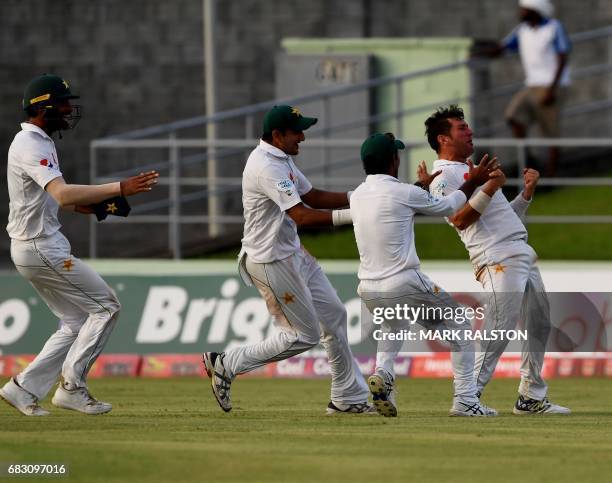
[{"x": 285, "y": 186}]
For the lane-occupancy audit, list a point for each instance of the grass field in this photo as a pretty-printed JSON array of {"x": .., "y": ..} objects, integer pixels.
[
  {"x": 551, "y": 241},
  {"x": 173, "y": 431}
]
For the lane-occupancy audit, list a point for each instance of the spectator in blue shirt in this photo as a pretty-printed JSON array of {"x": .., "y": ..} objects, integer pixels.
[{"x": 544, "y": 48}]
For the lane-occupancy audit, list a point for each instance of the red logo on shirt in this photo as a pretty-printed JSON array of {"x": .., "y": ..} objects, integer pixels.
[
  {"x": 465, "y": 176},
  {"x": 44, "y": 162},
  {"x": 291, "y": 177}
]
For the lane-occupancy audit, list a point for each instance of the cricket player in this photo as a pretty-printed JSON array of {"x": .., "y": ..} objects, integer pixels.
[
  {"x": 278, "y": 198},
  {"x": 496, "y": 238},
  {"x": 383, "y": 211},
  {"x": 86, "y": 306}
]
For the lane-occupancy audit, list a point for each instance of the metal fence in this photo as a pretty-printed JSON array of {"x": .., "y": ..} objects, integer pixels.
[{"x": 199, "y": 175}]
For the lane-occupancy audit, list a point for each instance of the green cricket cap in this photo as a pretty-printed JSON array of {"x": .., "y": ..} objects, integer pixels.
[
  {"x": 286, "y": 117},
  {"x": 380, "y": 146}
]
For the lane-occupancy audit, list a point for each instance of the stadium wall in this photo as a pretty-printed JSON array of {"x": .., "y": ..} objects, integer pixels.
[{"x": 140, "y": 62}]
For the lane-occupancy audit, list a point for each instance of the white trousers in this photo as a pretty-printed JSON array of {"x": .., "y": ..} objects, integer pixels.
[
  {"x": 417, "y": 290},
  {"x": 307, "y": 310},
  {"x": 86, "y": 306},
  {"x": 515, "y": 291}
]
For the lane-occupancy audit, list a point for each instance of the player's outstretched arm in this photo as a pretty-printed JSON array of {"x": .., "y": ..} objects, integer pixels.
[
  {"x": 304, "y": 216},
  {"x": 328, "y": 200},
  {"x": 83, "y": 195}
]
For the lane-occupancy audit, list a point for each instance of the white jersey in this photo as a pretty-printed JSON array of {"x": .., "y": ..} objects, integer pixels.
[
  {"x": 271, "y": 184},
  {"x": 494, "y": 236},
  {"x": 383, "y": 212},
  {"x": 32, "y": 164},
  {"x": 539, "y": 47}
]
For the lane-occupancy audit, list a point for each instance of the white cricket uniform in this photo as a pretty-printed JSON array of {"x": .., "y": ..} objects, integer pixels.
[
  {"x": 505, "y": 265},
  {"x": 305, "y": 306},
  {"x": 383, "y": 211},
  {"x": 84, "y": 303}
]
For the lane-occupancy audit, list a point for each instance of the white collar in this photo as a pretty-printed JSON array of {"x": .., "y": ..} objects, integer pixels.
[
  {"x": 372, "y": 178},
  {"x": 28, "y": 126},
  {"x": 446, "y": 162},
  {"x": 273, "y": 150}
]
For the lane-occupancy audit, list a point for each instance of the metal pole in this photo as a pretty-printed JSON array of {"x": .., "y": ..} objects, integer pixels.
[
  {"x": 208, "y": 7},
  {"x": 399, "y": 107},
  {"x": 93, "y": 227},
  {"x": 326, "y": 130},
  {"x": 174, "y": 224},
  {"x": 522, "y": 158}
]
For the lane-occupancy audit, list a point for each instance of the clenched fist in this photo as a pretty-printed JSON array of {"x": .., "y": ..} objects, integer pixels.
[{"x": 531, "y": 178}]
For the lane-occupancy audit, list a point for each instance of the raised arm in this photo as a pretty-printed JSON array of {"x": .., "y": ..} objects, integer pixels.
[
  {"x": 82, "y": 195},
  {"x": 521, "y": 203},
  {"x": 475, "y": 207}
]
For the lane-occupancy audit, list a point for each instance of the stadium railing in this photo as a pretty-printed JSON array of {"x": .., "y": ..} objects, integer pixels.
[{"x": 165, "y": 138}]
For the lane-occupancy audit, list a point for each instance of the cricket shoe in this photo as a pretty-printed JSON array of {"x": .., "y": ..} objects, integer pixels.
[
  {"x": 382, "y": 387},
  {"x": 471, "y": 409},
  {"x": 21, "y": 399},
  {"x": 525, "y": 406},
  {"x": 220, "y": 381},
  {"x": 357, "y": 408},
  {"x": 79, "y": 399}
]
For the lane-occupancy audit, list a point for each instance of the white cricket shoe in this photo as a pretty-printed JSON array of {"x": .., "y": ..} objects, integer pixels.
[
  {"x": 471, "y": 408},
  {"x": 382, "y": 387},
  {"x": 526, "y": 406},
  {"x": 79, "y": 399},
  {"x": 356, "y": 408},
  {"x": 220, "y": 381},
  {"x": 21, "y": 399}
]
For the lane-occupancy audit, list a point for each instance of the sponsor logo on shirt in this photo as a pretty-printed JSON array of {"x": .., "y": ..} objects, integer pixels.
[{"x": 285, "y": 186}]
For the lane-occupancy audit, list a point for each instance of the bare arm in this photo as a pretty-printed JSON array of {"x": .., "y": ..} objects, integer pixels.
[
  {"x": 325, "y": 199},
  {"x": 82, "y": 195},
  {"x": 551, "y": 92},
  {"x": 304, "y": 216},
  {"x": 467, "y": 215}
]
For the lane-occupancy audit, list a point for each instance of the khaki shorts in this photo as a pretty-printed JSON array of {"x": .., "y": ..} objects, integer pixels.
[{"x": 526, "y": 108}]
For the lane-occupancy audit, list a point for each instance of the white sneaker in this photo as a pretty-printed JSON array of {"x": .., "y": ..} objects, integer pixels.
[
  {"x": 357, "y": 408},
  {"x": 220, "y": 381},
  {"x": 525, "y": 406},
  {"x": 382, "y": 387},
  {"x": 21, "y": 399},
  {"x": 471, "y": 409},
  {"x": 79, "y": 399}
]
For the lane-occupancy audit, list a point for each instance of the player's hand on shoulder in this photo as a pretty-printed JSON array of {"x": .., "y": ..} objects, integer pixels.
[
  {"x": 425, "y": 179},
  {"x": 482, "y": 173},
  {"x": 138, "y": 184}
]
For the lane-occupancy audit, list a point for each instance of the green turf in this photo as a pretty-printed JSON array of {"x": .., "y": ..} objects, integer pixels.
[
  {"x": 551, "y": 241},
  {"x": 441, "y": 242},
  {"x": 173, "y": 431}
]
